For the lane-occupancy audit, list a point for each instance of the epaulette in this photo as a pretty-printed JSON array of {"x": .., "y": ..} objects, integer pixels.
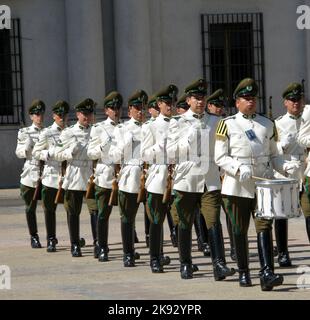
[
  {"x": 120, "y": 125},
  {"x": 229, "y": 117},
  {"x": 221, "y": 130},
  {"x": 176, "y": 117},
  {"x": 280, "y": 117}
]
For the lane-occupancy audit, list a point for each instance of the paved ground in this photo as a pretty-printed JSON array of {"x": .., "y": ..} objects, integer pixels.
[{"x": 36, "y": 274}]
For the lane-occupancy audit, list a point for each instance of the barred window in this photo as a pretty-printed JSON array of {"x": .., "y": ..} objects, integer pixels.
[
  {"x": 233, "y": 49},
  {"x": 11, "y": 85}
]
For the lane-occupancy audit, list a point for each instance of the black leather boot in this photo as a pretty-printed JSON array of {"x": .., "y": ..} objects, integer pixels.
[
  {"x": 308, "y": 227},
  {"x": 76, "y": 250},
  {"x": 164, "y": 260},
  {"x": 185, "y": 249},
  {"x": 146, "y": 227},
  {"x": 35, "y": 241},
  {"x": 281, "y": 230},
  {"x": 74, "y": 230},
  {"x": 268, "y": 279},
  {"x": 93, "y": 223},
  {"x": 242, "y": 257},
  {"x": 155, "y": 248},
  {"x": 231, "y": 239},
  {"x": 174, "y": 236},
  {"x": 103, "y": 232},
  {"x": 220, "y": 269},
  {"x": 128, "y": 238},
  {"x": 51, "y": 244}
]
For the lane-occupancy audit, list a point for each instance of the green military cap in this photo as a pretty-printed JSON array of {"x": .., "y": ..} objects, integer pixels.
[
  {"x": 293, "y": 91},
  {"x": 61, "y": 107},
  {"x": 217, "y": 98},
  {"x": 85, "y": 106},
  {"x": 138, "y": 98},
  {"x": 37, "y": 107},
  {"x": 152, "y": 103},
  {"x": 167, "y": 94},
  {"x": 181, "y": 103},
  {"x": 113, "y": 100},
  {"x": 197, "y": 87},
  {"x": 246, "y": 88}
]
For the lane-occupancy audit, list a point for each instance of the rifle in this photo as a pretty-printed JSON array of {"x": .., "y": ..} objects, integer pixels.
[
  {"x": 113, "y": 201},
  {"x": 142, "y": 191},
  {"x": 90, "y": 192},
  {"x": 38, "y": 190},
  {"x": 60, "y": 192},
  {"x": 168, "y": 190}
]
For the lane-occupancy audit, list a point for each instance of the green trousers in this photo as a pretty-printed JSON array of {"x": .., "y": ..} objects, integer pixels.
[
  {"x": 31, "y": 206},
  {"x": 102, "y": 196},
  {"x": 211, "y": 207},
  {"x": 128, "y": 206},
  {"x": 157, "y": 209},
  {"x": 49, "y": 207}
]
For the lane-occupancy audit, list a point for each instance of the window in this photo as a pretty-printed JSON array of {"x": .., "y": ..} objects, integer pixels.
[
  {"x": 232, "y": 48},
  {"x": 11, "y": 86}
]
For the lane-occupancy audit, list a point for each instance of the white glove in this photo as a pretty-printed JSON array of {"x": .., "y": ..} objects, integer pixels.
[
  {"x": 29, "y": 144},
  {"x": 75, "y": 148},
  {"x": 44, "y": 155},
  {"x": 291, "y": 167},
  {"x": 245, "y": 172},
  {"x": 287, "y": 140},
  {"x": 51, "y": 152},
  {"x": 105, "y": 140}
]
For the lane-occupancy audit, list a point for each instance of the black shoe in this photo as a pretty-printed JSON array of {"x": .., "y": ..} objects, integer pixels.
[
  {"x": 137, "y": 255},
  {"x": 51, "y": 245},
  {"x": 82, "y": 242},
  {"x": 195, "y": 268},
  {"x": 186, "y": 271},
  {"x": 76, "y": 250},
  {"x": 35, "y": 242},
  {"x": 245, "y": 279},
  {"x": 268, "y": 279},
  {"x": 284, "y": 259},
  {"x": 129, "y": 260},
  {"x": 164, "y": 260},
  {"x": 103, "y": 255},
  {"x": 156, "y": 266},
  {"x": 221, "y": 271}
]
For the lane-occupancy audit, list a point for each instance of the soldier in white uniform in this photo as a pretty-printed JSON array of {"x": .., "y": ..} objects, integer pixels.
[
  {"x": 72, "y": 146},
  {"x": 245, "y": 147},
  {"x": 101, "y": 135},
  {"x": 191, "y": 144},
  {"x": 44, "y": 150},
  {"x": 288, "y": 127},
  {"x": 125, "y": 150},
  {"x": 27, "y": 137},
  {"x": 153, "y": 152}
]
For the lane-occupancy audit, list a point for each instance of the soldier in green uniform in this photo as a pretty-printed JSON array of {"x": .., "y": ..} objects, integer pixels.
[
  {"x": 44, "y": 150},
  {"x": 27, "y": 137}
]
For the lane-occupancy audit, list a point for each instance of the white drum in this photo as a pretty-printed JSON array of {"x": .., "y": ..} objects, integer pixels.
[{"x": 278, "y": 199}]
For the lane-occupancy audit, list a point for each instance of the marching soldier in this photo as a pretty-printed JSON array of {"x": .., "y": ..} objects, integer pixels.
[
  {"x": 125, "y": 150},
  {"x": 216, "y": 105},
  {"x": 27, "y": 137},
  {"x": 72, "y": 146},
  {"x": 288, "y": 127},
  {"x": 182, "y": 105},
  {"x": 44, "y": 150},
  {"x": 100, "y": 137},
  {"x": 245, "y": 147},
  {"x": 153, "y": 152},
  {"x": 195, "y": 175}
]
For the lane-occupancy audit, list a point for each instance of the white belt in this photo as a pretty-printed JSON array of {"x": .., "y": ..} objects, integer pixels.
[
  {"x": 81, "y": 163},
  {"x": 34, "y": 162},
  {"x": 253, "y": 161},
  {"x": 53, "y": 163}
]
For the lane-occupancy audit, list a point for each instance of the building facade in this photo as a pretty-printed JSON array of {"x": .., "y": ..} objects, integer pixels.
[{"x": 73, "y": 49}]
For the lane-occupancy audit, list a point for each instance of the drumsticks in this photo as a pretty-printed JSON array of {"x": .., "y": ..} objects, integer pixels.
[{"x": 260, "y": 178}]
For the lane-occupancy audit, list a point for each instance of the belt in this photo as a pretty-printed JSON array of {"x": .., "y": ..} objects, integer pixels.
[
  {"x": 34, "y": 162},
  {"x": 298, "y": 157},
  {"x": 253, "y": 161},
  {"x": 53, "y": 163},
  {"x": 81, "y": 163}
]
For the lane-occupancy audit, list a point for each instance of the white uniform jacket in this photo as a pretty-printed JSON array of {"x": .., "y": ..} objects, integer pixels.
[
  {"x": 27, "y": 137},
  {"x": 101, "y": 137},
  {"x": 72, "y": 146},
  {"x": 191, "y": 146},
  {"x": 303, "y": 137},
  {"x": 233, "y": 148},
  {"x": 125, "y": 150},
  {"x": 44, "y": 149},
  {"x": 153, "y": 151}
]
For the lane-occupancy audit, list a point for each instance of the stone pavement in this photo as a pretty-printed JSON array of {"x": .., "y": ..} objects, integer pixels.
[{"x": 36, "y": 274}]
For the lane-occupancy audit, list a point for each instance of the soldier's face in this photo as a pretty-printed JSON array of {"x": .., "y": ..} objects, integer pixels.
[
  {"x": 181, "y": 110},
  {"x": 214, "y": 109},
  {"x": 246, "y": 105},
  {"x": 136, "y": 113},
  {"x": 37, "y": 119},
  {"x": 61, "y": 120},
  {"x": 153, "y": 112},
  {"x": 197, "y": 103},
  {"x": 113, "y": 113},
  {"x": 165, "y": 108},
  {"x": 294, "y": 107},
  {"x": 85, "y": 119}
]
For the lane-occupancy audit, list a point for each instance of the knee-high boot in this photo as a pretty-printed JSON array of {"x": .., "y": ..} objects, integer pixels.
[
  {"x": 74, "y": 230},
  {"x": 128, "y": 238},
  {"x": 155, "y": 247},
  {"x": 268, "y": 279},
  {"x": 242, "y": 257},
  {"x": 281, "y": 230},
  {"x": 308, "y": 227},
  {"x": 220, "y": 269},
  {"x": 103, "y": 233},
  {"x": 231, "y": 239},
  {"x": 93, "y": 223},
  {"x": 185, "y": 249}
]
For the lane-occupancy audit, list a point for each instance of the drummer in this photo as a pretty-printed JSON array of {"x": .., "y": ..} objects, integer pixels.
[
  {"x": 246, "y": 147},
  {"x": 288, "y": 127}
]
